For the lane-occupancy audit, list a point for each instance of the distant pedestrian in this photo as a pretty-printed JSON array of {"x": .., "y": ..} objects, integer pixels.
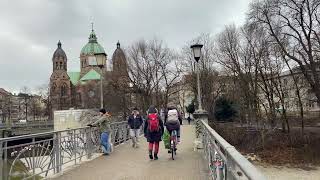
[
  {"x": 153, "y": 130},
  {"x": 135, "y": 121},
  {"x": 189, "y": 119}
]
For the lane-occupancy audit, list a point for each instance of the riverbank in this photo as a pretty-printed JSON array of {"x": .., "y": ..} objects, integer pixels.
[{"x": 288, "y": 173}]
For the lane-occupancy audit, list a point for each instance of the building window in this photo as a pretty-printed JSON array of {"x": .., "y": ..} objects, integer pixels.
[
  {"x": 57, "y": 66},
  {"x": 53, "y": 88},
  {"x": 287, "y": 105},
  {"x": 61, "y": 66},
  {"x": 285, "y": 82},
  {"x": 79, "y": 98},
  {"x": 63, "y": 90}
]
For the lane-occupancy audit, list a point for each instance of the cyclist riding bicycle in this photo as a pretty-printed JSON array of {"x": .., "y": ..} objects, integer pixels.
[{"x": 172, "y": 121}]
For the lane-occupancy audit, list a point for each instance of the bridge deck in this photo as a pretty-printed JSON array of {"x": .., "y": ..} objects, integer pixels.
[{"x": 127, "y": 163}]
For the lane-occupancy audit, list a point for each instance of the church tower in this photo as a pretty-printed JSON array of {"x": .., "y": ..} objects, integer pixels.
[
  {"x": 91, "y": 49},
  {"x": 119, "y": 63},
  {"x": 60, "y": 90}
]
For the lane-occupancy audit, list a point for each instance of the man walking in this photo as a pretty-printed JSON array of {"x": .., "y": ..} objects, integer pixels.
[{"x": 135, "y": 121}]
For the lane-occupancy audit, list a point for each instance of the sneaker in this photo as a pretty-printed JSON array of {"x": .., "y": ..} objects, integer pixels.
[
  {"x": 155, "y": 156},
  {"x": 133, "y": 145},
  {"x": 150, "y": 156}
]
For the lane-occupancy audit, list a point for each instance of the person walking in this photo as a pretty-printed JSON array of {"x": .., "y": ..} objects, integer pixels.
[
  {"x": 103, "y": 123},
  {"x": 153, "y": 131},
  {"x": 189, "y": 119},
  {"x": 135, "y": 121}
]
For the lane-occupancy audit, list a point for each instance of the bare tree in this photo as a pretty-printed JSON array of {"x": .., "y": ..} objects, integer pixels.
[
  {"x": 153, "y": 69},
  {"x": 44, "y": 92},
  {"x": 234, "y": 53},
  {"x": 294, "y": 25}
]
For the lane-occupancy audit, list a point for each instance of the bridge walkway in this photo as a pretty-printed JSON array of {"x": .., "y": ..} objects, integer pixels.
[{"x": 127, "y": 163}]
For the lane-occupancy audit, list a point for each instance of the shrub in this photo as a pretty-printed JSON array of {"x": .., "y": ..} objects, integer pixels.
[{"x": 224, "y": 110}]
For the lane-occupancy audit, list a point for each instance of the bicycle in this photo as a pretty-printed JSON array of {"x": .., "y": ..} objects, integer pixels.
[{"x": 173, "y": 144}]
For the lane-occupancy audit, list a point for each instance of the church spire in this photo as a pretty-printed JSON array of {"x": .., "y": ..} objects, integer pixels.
[
  {"x": 92, "y": 27},
  {"x": 59, "y": 44}
]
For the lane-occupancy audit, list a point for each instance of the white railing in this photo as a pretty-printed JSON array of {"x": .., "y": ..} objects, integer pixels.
[
  {"x": 224, "y": 161},
  {"x": 39, "y": 155}
]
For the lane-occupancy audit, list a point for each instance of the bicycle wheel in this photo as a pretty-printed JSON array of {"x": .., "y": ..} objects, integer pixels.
[{"x": 173, "y": 150}]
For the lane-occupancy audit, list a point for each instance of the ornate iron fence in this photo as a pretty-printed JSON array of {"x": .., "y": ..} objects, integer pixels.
[
  {"x": 36, "y": 156},
  {"x": 224, "y": 161}
]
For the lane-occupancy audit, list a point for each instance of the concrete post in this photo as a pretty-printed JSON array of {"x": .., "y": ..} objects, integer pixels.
[{"x": 199, "y": 115}]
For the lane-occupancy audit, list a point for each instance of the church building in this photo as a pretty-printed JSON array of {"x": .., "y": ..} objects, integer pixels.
[{"x": 82, "y": 89}]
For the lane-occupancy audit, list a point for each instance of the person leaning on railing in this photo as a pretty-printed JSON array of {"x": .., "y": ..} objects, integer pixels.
[{"x": 103, "y": 123}]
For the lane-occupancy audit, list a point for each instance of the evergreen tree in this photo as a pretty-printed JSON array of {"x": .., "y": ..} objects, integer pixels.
[
  {"x": 224, "y": 110},
  {"x": 191, "y": 108}
]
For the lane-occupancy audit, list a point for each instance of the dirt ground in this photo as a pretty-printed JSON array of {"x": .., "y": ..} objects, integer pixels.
[
  {"x": 275, "y": 147},
  {"x": 287, "y": 173}
]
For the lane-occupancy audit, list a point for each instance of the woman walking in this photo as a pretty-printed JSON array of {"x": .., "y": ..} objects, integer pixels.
[{"x": 153, "y": 130}]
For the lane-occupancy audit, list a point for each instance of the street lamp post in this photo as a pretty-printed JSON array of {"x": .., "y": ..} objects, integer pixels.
[
  {"x": 196, "y": 49},
  {"x": 100, "y": 61}
]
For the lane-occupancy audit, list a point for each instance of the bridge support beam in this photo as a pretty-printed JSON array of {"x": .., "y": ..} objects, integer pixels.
[{"x": 199, "y": 116}]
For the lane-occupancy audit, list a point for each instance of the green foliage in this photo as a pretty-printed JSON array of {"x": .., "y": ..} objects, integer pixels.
[
  {"x": 191, "y": 108},
  {"x": 224, "y": 109}
]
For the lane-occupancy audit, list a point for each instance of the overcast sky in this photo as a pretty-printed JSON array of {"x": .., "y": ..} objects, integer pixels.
[{"x": 30, "y": 29}]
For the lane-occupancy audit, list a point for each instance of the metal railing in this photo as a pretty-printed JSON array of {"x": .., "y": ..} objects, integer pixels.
[
  {"x": 36, "y": 156},
  {"x": 42, "y": 124},
  {"x": 224, "y": 161}
]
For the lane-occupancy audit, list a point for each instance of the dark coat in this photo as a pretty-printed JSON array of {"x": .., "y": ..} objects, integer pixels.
[
  {"x": 135, "y": 123},
  {"x": 172, "y": 126},
  {"x": 153, "y": 136}
]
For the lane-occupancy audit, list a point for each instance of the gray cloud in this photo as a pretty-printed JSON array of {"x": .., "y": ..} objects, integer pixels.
[{"x": 30, "y": 29}]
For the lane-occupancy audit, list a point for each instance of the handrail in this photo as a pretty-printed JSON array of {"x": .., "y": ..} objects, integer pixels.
[
  {"x": 235, "y": 164},
  {"x": 49, "y": 133},
  {"x": 51, "y": 155}
]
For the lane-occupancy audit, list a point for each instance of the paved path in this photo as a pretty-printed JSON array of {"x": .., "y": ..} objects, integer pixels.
[{"x": 127, "y": 163}]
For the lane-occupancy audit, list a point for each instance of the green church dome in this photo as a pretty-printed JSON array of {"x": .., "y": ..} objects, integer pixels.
[{"x": 92, "y": 47}]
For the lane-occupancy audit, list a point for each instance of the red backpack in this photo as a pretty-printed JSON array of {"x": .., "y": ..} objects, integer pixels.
[{"x": 153, "y": 122}]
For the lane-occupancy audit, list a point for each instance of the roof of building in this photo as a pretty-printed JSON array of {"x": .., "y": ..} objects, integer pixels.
[
  {"x": 91, "y": 75},
  {"x": 59, "y": 52},
  {"x": 74, "y": 77},
  {"x": 4, "y": 92},
  {"x": 92, "y": 47}
]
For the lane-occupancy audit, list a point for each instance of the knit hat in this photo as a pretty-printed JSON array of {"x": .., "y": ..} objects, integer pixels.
[{"x": 152, "y": 110}]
